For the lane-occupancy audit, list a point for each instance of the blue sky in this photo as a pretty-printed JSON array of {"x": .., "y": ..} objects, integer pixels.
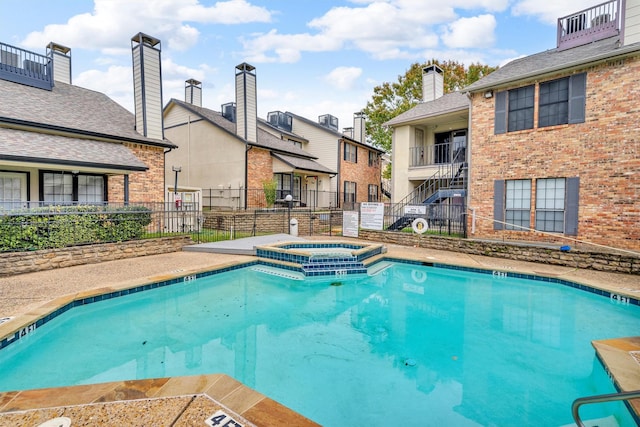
[{"x": 312, "y": 57}]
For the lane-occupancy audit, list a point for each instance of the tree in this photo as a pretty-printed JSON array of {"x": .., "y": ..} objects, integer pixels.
[{"x": 392, "y": 99}]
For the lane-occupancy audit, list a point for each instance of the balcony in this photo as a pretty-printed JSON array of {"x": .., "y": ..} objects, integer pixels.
[
  {"x": 589, "y": 25},
  {"x": 437, "y": 154},
  {"x": 25, "y": 67}
]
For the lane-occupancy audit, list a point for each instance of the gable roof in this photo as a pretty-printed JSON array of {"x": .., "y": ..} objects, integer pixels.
[
  {"x": 282, "y": 131},
  {"x": 335, "y": 133},
  {"x": 447, "y": 103},
  {"x": 303, "y": 164},
  {"x": 265, "y": 139},
  {"x": 553, "y": 60},
  {"x": 71, "y": 110}
]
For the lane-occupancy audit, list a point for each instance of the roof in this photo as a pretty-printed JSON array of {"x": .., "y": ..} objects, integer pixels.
[
  {"x": 336, "y": 133},
  {"x": 448, "y": 103},
  {"x": 68, "y": 108},
  {"x": 282, "y": 131},
  {"x": 22, "y": 145},
  {"x": 303, "y": 164},
  {"x": 553, "y": 60},
  {"x": 265, "y": 139}
]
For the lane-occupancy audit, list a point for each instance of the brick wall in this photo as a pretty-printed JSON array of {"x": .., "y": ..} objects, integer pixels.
[
  {"x": 48, "y": 259},
  {"x": 145, "y": 186},
  {"x": 600, "y": 261},
  {"x": 259, "y": 169},
  {"x": 360, "y": 173},
  {"x": 604, "y": 152}
]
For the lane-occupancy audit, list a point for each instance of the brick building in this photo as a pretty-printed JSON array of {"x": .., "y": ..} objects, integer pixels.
[
  {"x": 63, "y": 144},
  {"x": 555, "y": 144},
  {"x": 231, "y": 154}
]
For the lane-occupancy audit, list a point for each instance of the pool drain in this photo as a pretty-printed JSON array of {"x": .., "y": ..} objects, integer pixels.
[
  {"x": 336, "y": 283},
  {"x": 409, "y": 362}
]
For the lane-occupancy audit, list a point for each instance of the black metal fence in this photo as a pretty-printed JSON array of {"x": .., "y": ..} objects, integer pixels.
[
  {"x": 60, "y": 226},
  {"x": 246, "y": 199}
]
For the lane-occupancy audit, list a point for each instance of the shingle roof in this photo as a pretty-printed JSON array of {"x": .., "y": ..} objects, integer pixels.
[
  {"x": 70, "y": 108},
  {"x": 450, "y": 102},
  {"x": 303, "y": 164},
  {"x": 22, "y": 145},
  {"x": 265, "y": 139},
  {"x": 551, "y": 61}
]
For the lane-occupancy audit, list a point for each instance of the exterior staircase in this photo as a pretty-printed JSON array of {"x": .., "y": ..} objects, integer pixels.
[{"x": 450, "y": 180}]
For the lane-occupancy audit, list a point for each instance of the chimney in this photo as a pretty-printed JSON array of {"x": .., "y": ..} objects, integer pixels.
[
  {"x": 246, "y": 102},
  {"x": 348, "y": 132},
  {"x": 193, "y": 92},
  {"x": 432, "y": 83},
  {"x": 147, "y": 85},
  {"x": 61, "y": 60},
  {"x": 359, "y": 131},
  {"x": 229, "y": 111}
]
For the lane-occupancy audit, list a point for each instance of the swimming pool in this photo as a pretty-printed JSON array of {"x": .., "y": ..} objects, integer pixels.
[{"x": 412, "y": 345}]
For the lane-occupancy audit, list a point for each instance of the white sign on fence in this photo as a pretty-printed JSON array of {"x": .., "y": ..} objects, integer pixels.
[
  {"x": 372, "y": 215},
  {"x": 415, "y": 210},
  {"x": 350, "y": 223}
]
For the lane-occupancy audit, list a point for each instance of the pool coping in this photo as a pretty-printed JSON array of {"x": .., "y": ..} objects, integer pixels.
[{"x": 25, "y": 323}]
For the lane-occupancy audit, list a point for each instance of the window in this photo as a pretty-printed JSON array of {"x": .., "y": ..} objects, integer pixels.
[
  {"x": 373, "y": 193},
  {"x": 67, "y": 188},
  {"x": 521, "y": 102},
  {"x": 557, "y": 204},
  {"x": 554, "y": 103},
  {"x": 350, "y": 152},
  {"x": 459, "y": 146},
  {"x": 518, "y": 204},
  {"x": 284, "y": 184},
  {"x": 349, "y": 192},
  {"x": 373, "y": 158},
  {"x": 560, "y": 101},
  {"x": 550, "y": 195},
  {"x": 13, "y": 190}
]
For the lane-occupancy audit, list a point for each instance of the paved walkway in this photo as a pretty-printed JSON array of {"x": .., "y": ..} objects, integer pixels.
[{"x": 21, "y": 293}]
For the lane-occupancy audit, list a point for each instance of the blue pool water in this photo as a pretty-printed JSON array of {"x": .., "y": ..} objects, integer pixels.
[{"x": 411, "y": 346}]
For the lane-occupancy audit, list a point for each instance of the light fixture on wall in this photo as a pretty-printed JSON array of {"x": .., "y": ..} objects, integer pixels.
[{"x": 488, "y": 94}]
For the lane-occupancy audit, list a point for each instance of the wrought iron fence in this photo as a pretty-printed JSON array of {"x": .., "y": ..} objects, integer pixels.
[
  {"x": 58, "y": 226},
  {"x": 245, "y": 199}
]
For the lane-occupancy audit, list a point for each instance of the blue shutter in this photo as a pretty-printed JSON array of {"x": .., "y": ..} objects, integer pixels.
[
  {"x": 577, "y": 97},
  {"x": 571, "y": 210},
  {"x": 500, "y": 120},
  {"x": 498, "y": 204}
]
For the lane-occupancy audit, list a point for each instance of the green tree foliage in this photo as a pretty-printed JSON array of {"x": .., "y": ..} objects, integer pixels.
[{"x": 392, "y": 99}]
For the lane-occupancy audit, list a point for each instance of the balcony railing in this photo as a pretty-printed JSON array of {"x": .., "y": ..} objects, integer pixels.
[
  {"x": 25, "y": 67},
  {"x": 437, "y": 154},
  {"x": 586, "y": 26}
]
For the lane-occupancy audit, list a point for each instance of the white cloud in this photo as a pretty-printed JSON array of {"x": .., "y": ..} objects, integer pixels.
[
  {"x": 475, "y": 32},
  {"x": 343, "y": 77},
  {"x": 112, "y": 21},
  {"x": 549, "y": 12}
]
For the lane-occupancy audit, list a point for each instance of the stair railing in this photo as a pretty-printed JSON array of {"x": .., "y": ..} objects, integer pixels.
[{"x": 575, "y": 407}]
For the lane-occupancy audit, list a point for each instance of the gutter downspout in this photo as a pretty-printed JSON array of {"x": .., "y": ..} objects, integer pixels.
[
  {"x": 164, "y": 176},
  {"x": 246, "y": 171},
  {"x": 468, "y": 160}
]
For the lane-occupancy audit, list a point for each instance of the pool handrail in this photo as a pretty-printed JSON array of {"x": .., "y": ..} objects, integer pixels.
[{"x": 624, "y": 395}]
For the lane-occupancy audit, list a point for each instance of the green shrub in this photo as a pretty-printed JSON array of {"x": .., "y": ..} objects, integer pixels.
[{"x": 61, "y": 226}]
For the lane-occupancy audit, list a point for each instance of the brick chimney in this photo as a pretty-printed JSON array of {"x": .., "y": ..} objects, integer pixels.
[
  {"x": 147, "y": 85},
  {"x": 432, "y": 83},
  {"x": 61, "y": 59},
  {"x": 246, "y": 102},
  {"x": 193, "y": 92}
]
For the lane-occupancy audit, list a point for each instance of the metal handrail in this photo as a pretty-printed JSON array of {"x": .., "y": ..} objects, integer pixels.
[{"x": 575, "y": 407}]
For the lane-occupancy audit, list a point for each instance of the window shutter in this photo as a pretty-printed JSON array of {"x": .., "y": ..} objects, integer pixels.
[
  {"x": 577, "y": 98},
  {"x": 500, "y": 120},
  {"x": 572, "y": 202},
  {"x": 498, "y": 204}
]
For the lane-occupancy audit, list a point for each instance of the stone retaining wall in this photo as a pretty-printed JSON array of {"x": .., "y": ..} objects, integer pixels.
[
  {"x": 47, "y": 259},
  {"x": 578, "y": 258}
]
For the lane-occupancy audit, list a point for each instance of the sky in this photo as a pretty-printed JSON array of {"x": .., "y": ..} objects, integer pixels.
[{"x": 312, "y": 57}]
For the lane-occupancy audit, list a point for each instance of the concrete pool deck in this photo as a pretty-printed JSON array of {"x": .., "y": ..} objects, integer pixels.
[{"x": 183, "y": 400}]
